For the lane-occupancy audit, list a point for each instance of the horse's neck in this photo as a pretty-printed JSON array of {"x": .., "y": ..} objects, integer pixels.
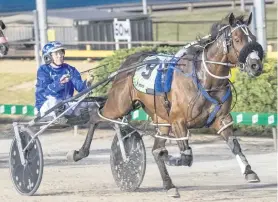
[{"x": 215, "y": 53}]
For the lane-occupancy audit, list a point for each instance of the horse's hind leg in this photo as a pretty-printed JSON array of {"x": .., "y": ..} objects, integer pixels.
[
  {"x": 117, "y": 105},
  {"x": 160, "y": 155},
  {"x": 84, "y": 151},
  {"x": 221, "y": 125},
  {"x": 120, "y": 99}
]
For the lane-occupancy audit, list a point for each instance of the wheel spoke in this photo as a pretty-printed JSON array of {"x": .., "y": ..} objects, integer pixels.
[
  {"x": 128, "y": 174},
  {"x": 26, "y": 178}
]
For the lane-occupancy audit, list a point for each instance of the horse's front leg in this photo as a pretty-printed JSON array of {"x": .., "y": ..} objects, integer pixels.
[
  {"x": 186, "y": 157},
  {"x": 224, "y": 127}
]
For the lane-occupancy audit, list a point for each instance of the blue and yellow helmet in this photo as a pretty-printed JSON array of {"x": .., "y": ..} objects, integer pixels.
[{"x": 49, "y": 48}]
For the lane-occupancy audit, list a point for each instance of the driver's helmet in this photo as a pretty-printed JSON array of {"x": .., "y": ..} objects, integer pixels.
[{"x": 49, "y": 48}]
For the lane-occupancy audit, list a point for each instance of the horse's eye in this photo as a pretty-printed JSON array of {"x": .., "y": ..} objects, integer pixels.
[{"x": 237, "y": 40}]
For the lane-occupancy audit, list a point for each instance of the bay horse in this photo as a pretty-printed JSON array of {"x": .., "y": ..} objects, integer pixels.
[
  {"x": 195, "y": 101},
  {"x": 4, "y": 46}
]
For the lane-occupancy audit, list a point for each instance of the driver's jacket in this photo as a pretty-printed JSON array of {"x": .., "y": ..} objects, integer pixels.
[{"x": 48, "y": 83}]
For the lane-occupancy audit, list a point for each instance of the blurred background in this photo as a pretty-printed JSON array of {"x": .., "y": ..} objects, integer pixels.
[
  {"x": 89, "y": 25},
  {"x": 95, "y": 32}
]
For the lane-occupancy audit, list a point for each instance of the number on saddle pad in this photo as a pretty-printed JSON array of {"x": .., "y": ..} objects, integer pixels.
[{"x": 144, "y": 77}]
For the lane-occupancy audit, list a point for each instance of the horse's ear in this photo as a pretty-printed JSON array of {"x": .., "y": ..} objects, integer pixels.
[
  {"x": 249, "y": 20},
  {"x": 2, "y": 25},
  {"x": 232, "y": 19}
]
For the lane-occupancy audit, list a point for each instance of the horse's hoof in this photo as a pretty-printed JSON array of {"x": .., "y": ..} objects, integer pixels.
[
  {"x": 173, "y": 192},
  {"x": 71, "y": 156},
  {"x": 184, "y": 160},
  {"x": 187, "y": 160},
  {"x": 187, "y": 157},
  {"x": 173, "y": 161},
  {"x": 252, "y": 177}
]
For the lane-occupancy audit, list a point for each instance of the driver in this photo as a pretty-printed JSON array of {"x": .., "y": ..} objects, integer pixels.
[{"x": 56, "y": 80}]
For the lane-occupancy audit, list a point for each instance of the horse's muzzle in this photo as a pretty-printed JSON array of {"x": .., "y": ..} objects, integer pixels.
[
  {"x": 255, "y": 69},
  {"x": 253, "y": 65},
  {"x": 248, "y": 49},
  {"x": 250, "y": 59}
]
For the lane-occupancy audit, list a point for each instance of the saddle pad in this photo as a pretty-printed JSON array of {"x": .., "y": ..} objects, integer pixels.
[{"x": 144, "y": 77}]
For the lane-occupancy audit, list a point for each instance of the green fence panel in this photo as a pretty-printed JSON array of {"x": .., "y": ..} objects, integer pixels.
[
  {"x": 26, "y": 110},
  {"x": 139, "y": 115},
  {"x": 244, "y": 118},
  {"x": 261, "y": 119}
]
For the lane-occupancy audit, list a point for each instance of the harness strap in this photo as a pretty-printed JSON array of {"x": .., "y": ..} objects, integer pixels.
[
  {"x": 172, "y": 66},
  {"x": 204, "y": 92},
  {"x": 209, "y": 98},
  {"x": 167, "y": 103},
  {"x": 218, "y": 107},
  {"x": 180, "y": 71}
]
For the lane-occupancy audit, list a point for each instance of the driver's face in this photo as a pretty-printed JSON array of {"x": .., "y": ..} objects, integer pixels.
[{"x": 58, "y": 57}]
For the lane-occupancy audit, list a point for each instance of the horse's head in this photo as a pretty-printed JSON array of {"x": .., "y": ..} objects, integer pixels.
[
  {"x": 239, "y": 44},
  {"x": 4, "y": 46}
]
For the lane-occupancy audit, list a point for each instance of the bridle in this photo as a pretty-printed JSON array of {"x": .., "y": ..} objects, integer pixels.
[{"x": 227, "y": 44}]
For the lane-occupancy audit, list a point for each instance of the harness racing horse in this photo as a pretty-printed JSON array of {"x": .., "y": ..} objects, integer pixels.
[
  {"x": 4, "y": 46},
  {"x": 200, "y": 95}
]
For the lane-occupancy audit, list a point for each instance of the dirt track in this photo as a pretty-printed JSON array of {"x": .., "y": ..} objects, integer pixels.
[{"x": 214, "y": 175}]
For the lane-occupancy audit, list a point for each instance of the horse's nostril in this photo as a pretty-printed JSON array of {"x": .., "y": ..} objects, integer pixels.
[{"x": 254, "y": 67}]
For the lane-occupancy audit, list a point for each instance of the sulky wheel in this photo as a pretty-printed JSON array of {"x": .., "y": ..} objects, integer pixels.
[
  {"x": 26, "y": 178},
  {"x": 130, "y": 174}
]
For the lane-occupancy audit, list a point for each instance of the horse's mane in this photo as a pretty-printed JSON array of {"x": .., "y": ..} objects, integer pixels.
[{"x": 214, "y": 30}]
